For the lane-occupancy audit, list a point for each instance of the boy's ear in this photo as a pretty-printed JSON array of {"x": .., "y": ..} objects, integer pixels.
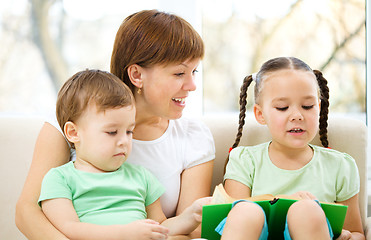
[
  {"x": 258, "y": 112},
  {"x": 71, "y": 132},
  {"x": 135, "y": 73}
]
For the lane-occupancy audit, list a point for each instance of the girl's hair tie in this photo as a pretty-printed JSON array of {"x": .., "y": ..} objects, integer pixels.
[
  {"x": 253, "y": 76},
  {"x": 230, "y": 149}
]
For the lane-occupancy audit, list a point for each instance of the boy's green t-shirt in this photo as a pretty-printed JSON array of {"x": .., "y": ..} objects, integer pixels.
[
  {"x": 118, "y": 197},
  {"x": 331, "y": 176}
]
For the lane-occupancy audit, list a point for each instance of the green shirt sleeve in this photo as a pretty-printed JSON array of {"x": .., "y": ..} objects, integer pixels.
[
  {"x": 54, "y": 186},
  {"x": 154, "y": 188},
  {"x": 348, "y": 182},
  {"x": 240, "y": 166}
]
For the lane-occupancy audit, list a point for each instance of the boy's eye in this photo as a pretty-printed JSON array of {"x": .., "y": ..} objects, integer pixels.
[
  {"x": 307, "y": 107},
  {"x": 112, "y": 133},
  {"x": 282, "y": 108}
]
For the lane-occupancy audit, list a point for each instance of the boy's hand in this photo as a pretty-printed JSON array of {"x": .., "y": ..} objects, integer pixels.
[
  {"x": 197, "y": 207},
  {"x": 146, "y": 229}
]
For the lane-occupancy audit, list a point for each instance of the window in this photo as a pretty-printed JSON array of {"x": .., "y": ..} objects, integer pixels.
[{"x": 44, "y": 42}]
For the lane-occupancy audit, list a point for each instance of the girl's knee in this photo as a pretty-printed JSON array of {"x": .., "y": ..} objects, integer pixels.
[
  {"x": 247, "y": 212},
  {"x": 245, "y": 221},
  {"x": 306, "y": 209},
  {"x": 307, "y": 217}
]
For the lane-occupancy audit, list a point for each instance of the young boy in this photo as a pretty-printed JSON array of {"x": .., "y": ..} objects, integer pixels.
[{"x": 99, "y": 196}]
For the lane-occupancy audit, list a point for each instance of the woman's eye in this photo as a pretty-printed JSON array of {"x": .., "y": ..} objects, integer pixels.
[
  {"x": 307, "y": 107},
  {"x": 112, "y": 133},
  {"x": 282, "y": 108}
]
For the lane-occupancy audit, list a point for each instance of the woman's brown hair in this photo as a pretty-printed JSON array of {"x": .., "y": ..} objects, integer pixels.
[{"x": 152, "y": 37}]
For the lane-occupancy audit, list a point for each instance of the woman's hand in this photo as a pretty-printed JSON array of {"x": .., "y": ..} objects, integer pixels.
[
  {"x": 345, "y": 235},
  {"x": 196, "y": 207}
]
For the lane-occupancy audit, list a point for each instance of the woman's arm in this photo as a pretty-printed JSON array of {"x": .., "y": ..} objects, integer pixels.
[
  {"x": 200, "y": 176},
  {"x": 353, "y": 222},
  {"x": 195, "y": 184},
  {"x": 183, "y": 224},
  {"x": 51, "y": 150}
]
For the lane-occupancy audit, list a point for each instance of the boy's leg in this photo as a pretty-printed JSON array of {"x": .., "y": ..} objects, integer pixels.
[
  {"x": 246, "y": 220},
  {"x": 306, "y": 220}
]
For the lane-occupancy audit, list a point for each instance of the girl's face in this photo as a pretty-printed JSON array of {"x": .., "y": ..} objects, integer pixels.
[
  {"x": 165, "y": 89},
  {"x": 289, "y": 105},
  {"x": 104, "y": 139}
]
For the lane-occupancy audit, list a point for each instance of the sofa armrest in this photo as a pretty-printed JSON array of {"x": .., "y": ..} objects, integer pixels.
[{"x": 368, "y": 228}]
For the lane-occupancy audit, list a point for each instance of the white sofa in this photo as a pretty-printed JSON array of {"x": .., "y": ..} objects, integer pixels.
[{"x": 18, "y": 136}]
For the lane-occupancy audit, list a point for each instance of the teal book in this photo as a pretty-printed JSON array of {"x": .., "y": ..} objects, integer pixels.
[{"x": 275, "y": 208}]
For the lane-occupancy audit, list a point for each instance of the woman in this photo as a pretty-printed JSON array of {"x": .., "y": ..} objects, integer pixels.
[{"x": 156, "y": 54}]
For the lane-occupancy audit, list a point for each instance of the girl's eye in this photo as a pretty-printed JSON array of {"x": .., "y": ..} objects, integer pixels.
[
  {"x": 179, "y": 74},
  {"x": 129, "y": 132},
  {"x": 112, "y": 133},
  {"x": 195, "y": 71},
  {"x": 282, "y": 108},
  {"x": 307, "y": 107}
]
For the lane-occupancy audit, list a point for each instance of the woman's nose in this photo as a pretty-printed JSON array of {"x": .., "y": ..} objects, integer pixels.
[{"x": 190, "y": 83}]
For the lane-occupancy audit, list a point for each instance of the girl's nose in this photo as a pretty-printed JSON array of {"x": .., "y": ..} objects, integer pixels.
[{"x": 296, "y": 115}]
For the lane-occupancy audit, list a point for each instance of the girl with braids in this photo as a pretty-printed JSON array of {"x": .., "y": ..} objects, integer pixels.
[{"x": 292, "y": 100}]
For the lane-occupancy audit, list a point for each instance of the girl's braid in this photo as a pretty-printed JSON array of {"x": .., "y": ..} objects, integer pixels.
[
  {"x": 243, "y": 102},
  {"x": 322, "y": 83}
]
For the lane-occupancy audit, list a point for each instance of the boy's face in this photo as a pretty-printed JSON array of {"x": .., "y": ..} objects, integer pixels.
[
  {"x": 104, "y": 138},
  {"x": 289, "y": 105}
]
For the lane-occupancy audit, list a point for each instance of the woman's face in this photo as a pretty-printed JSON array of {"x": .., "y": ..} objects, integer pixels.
[{"x": 165, "y": 89}]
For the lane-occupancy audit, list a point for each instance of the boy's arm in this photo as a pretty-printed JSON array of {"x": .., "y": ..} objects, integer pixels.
[
  {"x": 353, "y": 222},
  {"x": 182, "y": 224},
  {"x": 62, "y": 214}
]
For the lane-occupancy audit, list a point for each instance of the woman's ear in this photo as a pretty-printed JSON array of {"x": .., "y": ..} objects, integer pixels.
[
  {"x": 71, "y": 132},
  {"x": 258, "y": 112},
  {"x": 135, "y": 73}
]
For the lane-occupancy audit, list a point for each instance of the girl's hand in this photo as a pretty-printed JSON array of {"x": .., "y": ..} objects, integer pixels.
[
  {"x": 304, "y": 195},
  {"x": 146, "y": 229},
  {"x": 345, "y": 235}
]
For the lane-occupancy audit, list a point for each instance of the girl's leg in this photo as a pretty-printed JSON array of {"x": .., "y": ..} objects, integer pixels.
[
  {"x": 244, "y": 221},
  {"x": 306, "y": 220}
]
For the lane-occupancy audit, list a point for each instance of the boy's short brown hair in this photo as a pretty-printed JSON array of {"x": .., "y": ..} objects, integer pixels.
[{"x": 102, "y": 88}]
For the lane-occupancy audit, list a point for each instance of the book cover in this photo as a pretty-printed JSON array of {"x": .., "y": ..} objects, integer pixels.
[{"x": 275, "y": 208}]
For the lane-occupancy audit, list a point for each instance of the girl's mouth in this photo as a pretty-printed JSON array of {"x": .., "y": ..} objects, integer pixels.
[{"x": 296, "y": 130}]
